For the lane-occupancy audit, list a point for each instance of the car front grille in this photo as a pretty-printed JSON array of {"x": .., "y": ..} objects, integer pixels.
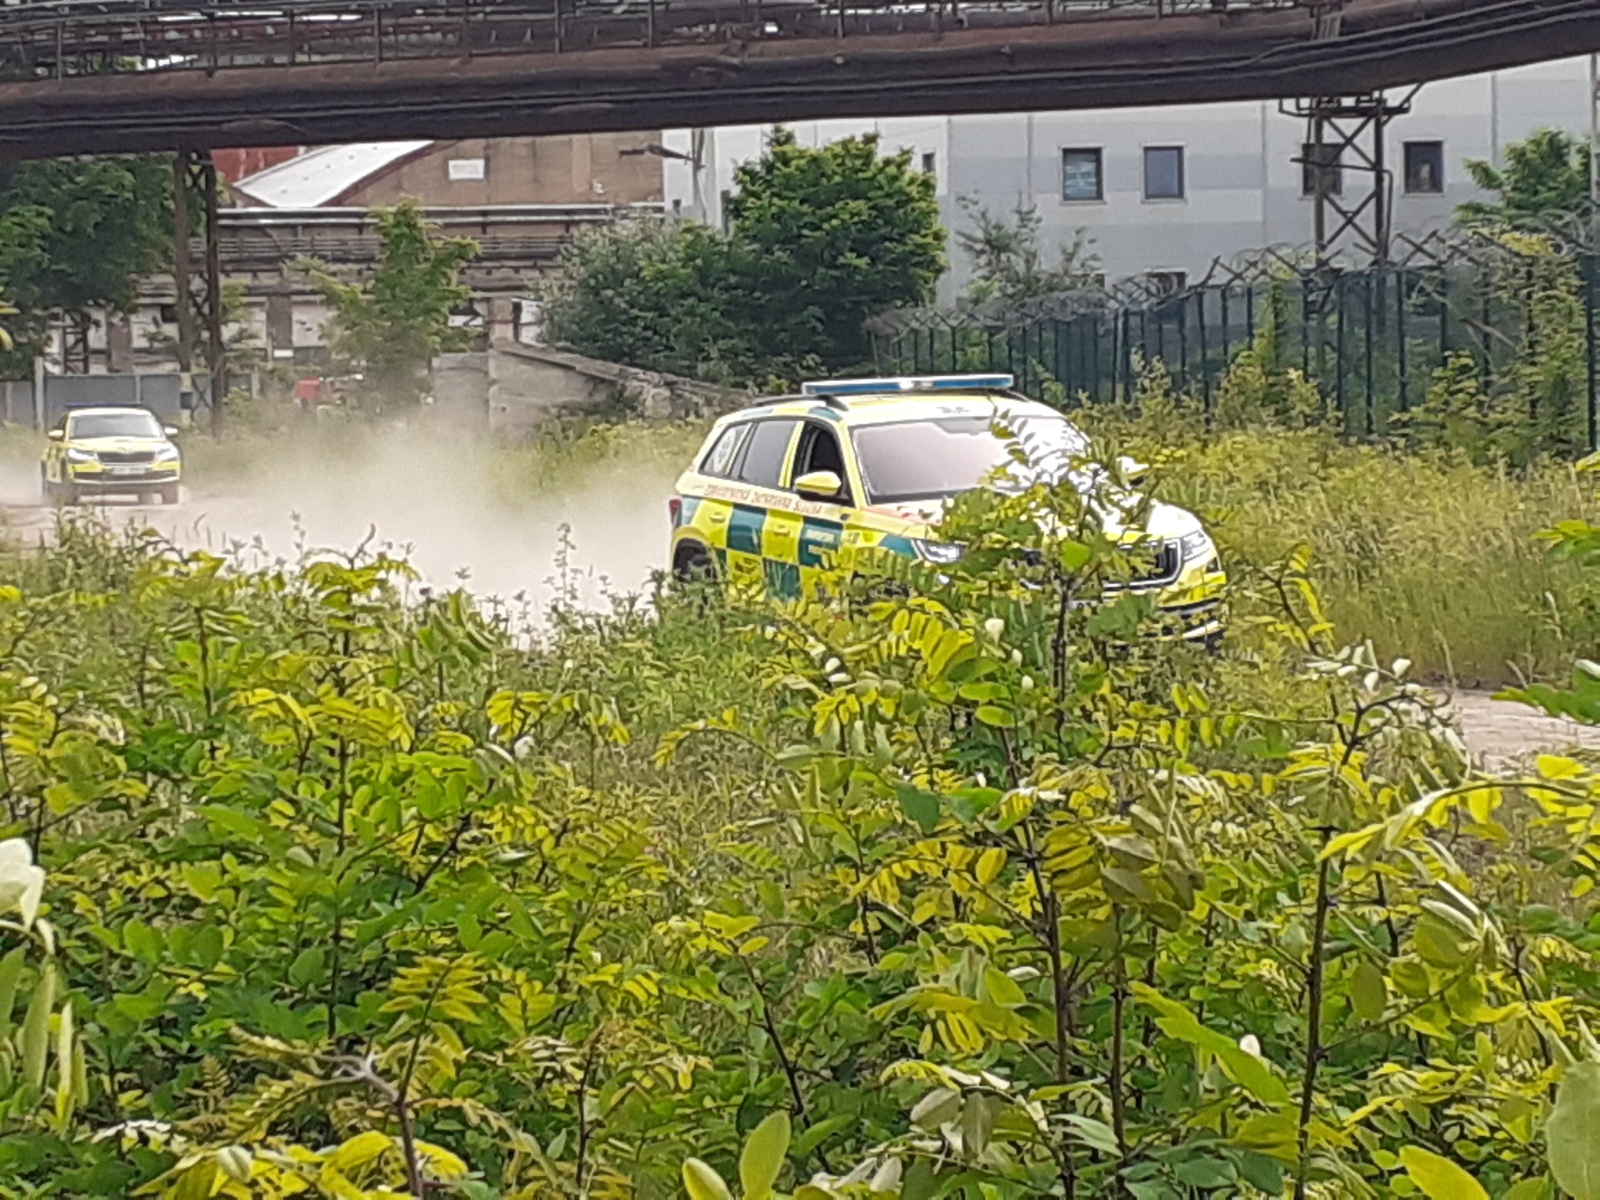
[
  {"x": 125, "y": 458},
  {"x": 1165, "y": 569}
]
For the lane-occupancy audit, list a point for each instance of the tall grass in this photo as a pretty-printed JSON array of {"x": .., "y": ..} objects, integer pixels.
[{"x": 1426, "y": 554}]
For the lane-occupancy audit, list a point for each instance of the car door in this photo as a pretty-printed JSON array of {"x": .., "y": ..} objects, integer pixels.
[
  {"x": 819, "y": 526},
  {"x": 762, "y": 474}
]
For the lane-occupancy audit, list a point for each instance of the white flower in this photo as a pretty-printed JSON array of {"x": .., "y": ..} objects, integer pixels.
[{"x": 21, "y": 882}]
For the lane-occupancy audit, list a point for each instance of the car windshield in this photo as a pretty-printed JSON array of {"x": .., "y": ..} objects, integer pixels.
[
  {"x": 943, "y": 456},
  {"x": 120, "y": 424}
]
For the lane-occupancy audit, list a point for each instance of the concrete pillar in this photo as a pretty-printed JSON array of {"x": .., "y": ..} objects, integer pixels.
[{"x": 119, "y": 345}]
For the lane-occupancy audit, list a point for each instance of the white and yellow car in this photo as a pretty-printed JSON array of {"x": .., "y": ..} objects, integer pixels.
[
  {"x": 790, "y": 487},
  {"x": 110, "y": 451}
]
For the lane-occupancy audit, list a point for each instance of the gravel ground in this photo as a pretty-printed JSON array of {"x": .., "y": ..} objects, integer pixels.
[{"x": 1500, "y": 732}]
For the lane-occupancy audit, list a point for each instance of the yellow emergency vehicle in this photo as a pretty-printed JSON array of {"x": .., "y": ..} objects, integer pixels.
[
  {"x": 103, "y": 451},
  {"x": 792, "y": 486}
]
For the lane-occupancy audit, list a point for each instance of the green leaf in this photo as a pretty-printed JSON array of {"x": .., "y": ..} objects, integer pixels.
[
  {"x": 702, "y": 1182},
  {"x": 977, "y": 1123},
  {"x": 10, "y": 977},
  {"x": 1369, "y": 992},
  {"x": 1241, "y": 1065},
  {"x": 306, "y": 969},
  {"x": 1093, "y": 1133},
  {"x": 1572, "y": 1133},
  {"x": 815, "y": 1134},
  {"x": 922, "y": 807},
  {"x": 141, "y": 941},
  {"x": 1439, "y": 1178},
  {"x": 762, "y": 1158},
  {"x": 1529, "y": 1189},
  {"x": 64, "y": 1048},
  {"x": 937, "y": 1107},
  {"x": 36, "y": 1027},
  {"x": 999, "y": 718},
  {"x": 1205, "y": 1173},
  {"x": 1261, "y": 1172}
]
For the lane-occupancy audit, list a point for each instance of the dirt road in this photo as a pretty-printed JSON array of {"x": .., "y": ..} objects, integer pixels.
[{"x": 444, "y": 507}]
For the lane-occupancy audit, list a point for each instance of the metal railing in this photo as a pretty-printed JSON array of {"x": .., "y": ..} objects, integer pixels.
[{"x": 83, "y": 37}]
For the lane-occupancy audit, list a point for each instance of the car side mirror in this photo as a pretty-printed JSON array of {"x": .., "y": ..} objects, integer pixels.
[
  {"x": 170, "y": 430},
  {"x": 56, "y": 435},
  {"x": 825, "y": 485},
  {"x": 1134, "y": 473}
]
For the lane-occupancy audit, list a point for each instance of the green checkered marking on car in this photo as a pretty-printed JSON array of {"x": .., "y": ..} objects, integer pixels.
[
  {"x": 896, "y": 544},
  {"x": 783, "y": 579},
  {"x": 818, "y": 538},
  {"x": 744, "y": 529}
]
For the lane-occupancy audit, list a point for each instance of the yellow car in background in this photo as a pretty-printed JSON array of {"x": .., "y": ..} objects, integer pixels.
[
  {"x": 110, "y": 451},
  {"x": 792, "y": 485}
]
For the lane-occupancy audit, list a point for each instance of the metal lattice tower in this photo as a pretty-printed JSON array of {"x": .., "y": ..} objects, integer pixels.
[{"x": 1346, "y": 136}]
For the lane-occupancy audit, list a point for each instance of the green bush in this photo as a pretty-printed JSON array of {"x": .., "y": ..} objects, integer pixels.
[{"x": 992, "y": 893}]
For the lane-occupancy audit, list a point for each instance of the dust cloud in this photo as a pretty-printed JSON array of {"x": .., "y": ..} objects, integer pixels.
[{"x": 464, "y": 511}]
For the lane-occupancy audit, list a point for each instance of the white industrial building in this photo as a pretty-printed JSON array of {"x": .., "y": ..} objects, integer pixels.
[{"x": 1173, "y": 188}]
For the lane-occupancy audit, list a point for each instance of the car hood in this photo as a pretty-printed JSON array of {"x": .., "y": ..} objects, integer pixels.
[
  {"x": 1161, "y": 520},
  {"x": 120, "y": 445}
]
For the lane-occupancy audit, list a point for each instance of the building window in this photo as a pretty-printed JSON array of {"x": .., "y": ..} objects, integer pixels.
[
  {"x": 766, "y": 453},
  {"x": 1320, "y": 171},
  {"x": 465, "y": 170},
  {"x": 1425, "y": 167},
  {"x": 930, "y": 163},
  {"x": 1081, "y": 175},
  {"x": 1163, "y": 172}
]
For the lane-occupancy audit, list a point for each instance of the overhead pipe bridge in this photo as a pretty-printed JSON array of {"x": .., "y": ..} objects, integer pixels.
[{"x": 102, "y": 76}]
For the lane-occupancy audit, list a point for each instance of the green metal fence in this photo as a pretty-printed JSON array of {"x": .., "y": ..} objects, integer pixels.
[{"x": 1370, "y": 339}]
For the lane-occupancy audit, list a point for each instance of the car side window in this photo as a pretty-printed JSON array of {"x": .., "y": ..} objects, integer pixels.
[
  {"x": 765, "y": 452},
  {"x": 819, "y": 451},
  {"x": 724, "y": 452}
]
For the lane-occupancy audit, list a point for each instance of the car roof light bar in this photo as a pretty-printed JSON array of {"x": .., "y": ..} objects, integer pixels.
[{"x": 907, "y": 383}]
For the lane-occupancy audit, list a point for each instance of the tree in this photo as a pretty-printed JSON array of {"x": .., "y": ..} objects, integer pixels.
[
  {"x": 1008, "y": 264},
  {"x": 1546, "y": 176},
  {"x": 389, "y": 328},
  {"x": 78, "y": 234},
  {"x": 820, "y": 241},
  {"x": 656, "y": 295},
  {"x": 835, "y": 235}
]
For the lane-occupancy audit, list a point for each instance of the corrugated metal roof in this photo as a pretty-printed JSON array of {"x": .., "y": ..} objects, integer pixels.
[{"x": 322, "y": 175}]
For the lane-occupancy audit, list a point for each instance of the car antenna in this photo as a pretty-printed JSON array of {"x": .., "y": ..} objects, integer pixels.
[{"x": 833, "y": 402}]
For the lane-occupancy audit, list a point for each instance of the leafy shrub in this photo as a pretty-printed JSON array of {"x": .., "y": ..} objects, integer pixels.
[{"x": 987, "y": 888}]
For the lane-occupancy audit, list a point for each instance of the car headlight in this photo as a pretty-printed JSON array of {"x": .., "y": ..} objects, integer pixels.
[
  {"x": 166, "y": 454},
  {"x": 81, "y": 456},
  {"x": 1196, "y": 546},
  {"x": 943, "y": 553}
]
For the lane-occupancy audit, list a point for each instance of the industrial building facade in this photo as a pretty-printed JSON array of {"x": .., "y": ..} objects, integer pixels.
[{"x": 1173, "y": 188}]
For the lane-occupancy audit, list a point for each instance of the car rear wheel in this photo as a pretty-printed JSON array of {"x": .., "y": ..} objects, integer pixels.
[{"x": 692, "y": 564}]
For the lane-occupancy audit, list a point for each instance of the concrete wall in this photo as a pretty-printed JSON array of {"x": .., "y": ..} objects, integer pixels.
[
  {"x": 582, "y": 169},
  {"x": 520, "y": 389},
  {"x": 461, "y": 387},
  {"x": 158, "y": 393}
]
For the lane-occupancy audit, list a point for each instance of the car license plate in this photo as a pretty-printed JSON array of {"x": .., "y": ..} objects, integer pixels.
[{"x": 126, "y": 470}]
